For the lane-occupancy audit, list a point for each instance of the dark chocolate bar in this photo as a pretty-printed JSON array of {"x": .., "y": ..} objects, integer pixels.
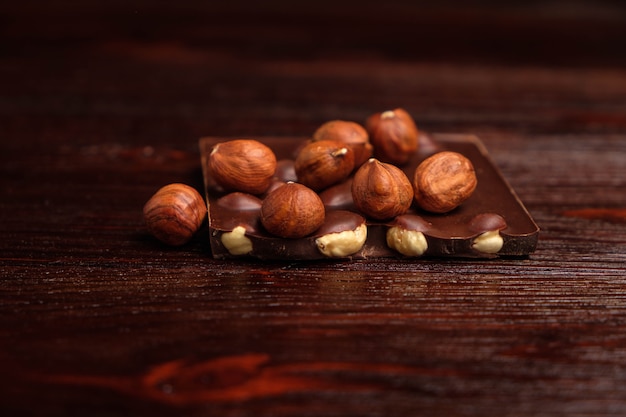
[{"x": 493, "y": 222}]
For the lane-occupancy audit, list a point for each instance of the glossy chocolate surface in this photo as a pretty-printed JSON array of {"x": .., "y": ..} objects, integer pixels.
[{"x": 494, "y": 204}]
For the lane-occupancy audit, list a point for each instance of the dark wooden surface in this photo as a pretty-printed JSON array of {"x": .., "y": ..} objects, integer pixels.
[{"x": 102, "y": 103}]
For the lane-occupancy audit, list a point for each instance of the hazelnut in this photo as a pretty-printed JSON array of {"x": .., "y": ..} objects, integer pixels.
[
  {"x": 488, "y": 225},
  {"x": 443, "y": 181},
  {"x": 323, "y": 163},
  {"x": 381, "y": 190},
  {"x": 343, "y": 234},
  {"x": 394, "y": 135},
  {"x": 351, "y": 133},
  {"x": 175, "y": 213},
  {"x": 243, "y": 165},
  {"x": 406, "y": 235},
  {"x": 292, "y": 211},
  {"x": 236, "y": 241}
]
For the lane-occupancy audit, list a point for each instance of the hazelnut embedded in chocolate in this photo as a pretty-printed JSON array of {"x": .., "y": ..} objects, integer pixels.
[
  {"x": 488, "y": 225},
  {"x": 343, "y": 234},
  {"x": 406, "y": 235},
  {"x": 236, "y": 241}
]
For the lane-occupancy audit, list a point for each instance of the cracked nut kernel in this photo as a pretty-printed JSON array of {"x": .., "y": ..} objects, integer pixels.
[
  {"x": 488, "y": 242},
  {"x": 174, "y": 213},
  {"x": 393, "y": 135},
  {"x": 236, "y": 241},
  {"x": 406, "y": 235},
  {"x": 323, "y": 163},
  {"x": 381, "y": 191},
  {"x": 244, "y": 165},
  {"x": 292, "y": 210},
  {"x": 351, "y": 133},
  {"x": 489, "y": 226},
  {"x": 443, "y": 181},
  {"x": 343, "y": 234}
]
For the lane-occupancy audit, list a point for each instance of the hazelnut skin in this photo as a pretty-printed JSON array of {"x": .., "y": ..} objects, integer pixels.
[
  {"x": 443, "y": 181},
  {"x": 381, "y": 191},
  {"x": 245, "y": 165},
  {"x": 351, "y": 133},
  {"x": 174, "y": 213},
  {"x": 292, "y": 211},
  {"x": 394, "y": 135},
  {"x": 323, "y": 163}
]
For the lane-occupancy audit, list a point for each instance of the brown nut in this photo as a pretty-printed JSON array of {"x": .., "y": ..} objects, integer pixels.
[
  {"x": 381, "y": 190},
  {"x": 351, "y": 133},
  {"x": 174, "y": 213},
  {"x": 323, "y": 163},
  {"x": 292, "y": 211},
  {"x": 244, "y": 165},
  {"x": 443, "y": 181},
  {"x": 394, "y": 135}
]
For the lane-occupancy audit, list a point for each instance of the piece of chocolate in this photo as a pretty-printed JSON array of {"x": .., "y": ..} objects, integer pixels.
[{"x": 493, "y": 213}]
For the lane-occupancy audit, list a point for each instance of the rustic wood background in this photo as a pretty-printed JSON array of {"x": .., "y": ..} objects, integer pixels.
[{"x": 102, "y": 103}]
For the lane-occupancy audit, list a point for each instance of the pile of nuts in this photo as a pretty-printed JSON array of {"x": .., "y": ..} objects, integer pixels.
[{"x": 372, "y": 155}]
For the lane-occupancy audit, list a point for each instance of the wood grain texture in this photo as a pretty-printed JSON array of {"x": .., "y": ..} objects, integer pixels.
[{"x": 101, "y": 104}]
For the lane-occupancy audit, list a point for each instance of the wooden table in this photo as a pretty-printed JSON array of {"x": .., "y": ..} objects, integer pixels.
[{"x": 102, "y": 103}]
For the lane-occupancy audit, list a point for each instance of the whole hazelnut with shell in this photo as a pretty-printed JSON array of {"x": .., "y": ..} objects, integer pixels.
[
  {"x": 323, "y": 163},
  {"x": 351, "y": 133},
  {"x": 245, "y": 165},
  {"x": 443, "y": 181},
  {"x": 174, "y": 213},
  {"x": 394, "y": 135},
  {"x": 292, "y": 210},
  {"x": 381, "y": 190}
]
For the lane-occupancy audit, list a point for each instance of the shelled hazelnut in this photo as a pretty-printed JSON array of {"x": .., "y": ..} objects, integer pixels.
[
  {"x": 323, "y": 163},
  {"x": 174, "y": 213},
  {"x": 236, "y": 242},
  {"x": 350, "y": 133},
  {"x": 292, "y": 211},
  {"x": 489, "y": 226},
  {"x": 393, "y": 135},
  {"x": 443, "y": 181},
  {"x": 245, "y": 165},
  {"x": 343, "y": 234},
  {"x": 406, "y": 235},
  {"x": 381, "y": 191}
]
